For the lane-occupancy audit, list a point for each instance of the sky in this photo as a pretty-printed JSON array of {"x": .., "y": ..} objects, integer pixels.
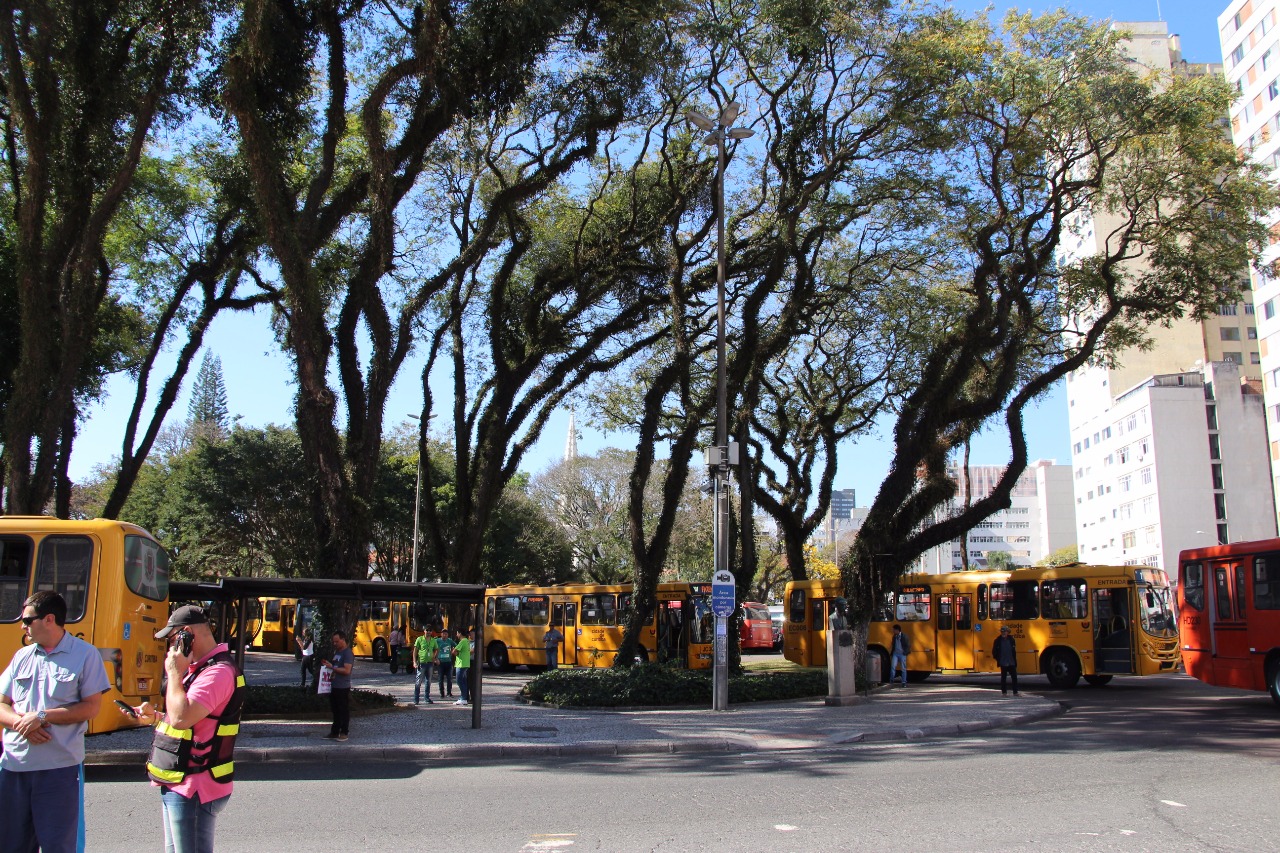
[{"x": 259, "y": 391}]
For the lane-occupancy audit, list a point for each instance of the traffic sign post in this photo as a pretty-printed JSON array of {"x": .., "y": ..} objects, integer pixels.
[{"x": 723, "y": 601}]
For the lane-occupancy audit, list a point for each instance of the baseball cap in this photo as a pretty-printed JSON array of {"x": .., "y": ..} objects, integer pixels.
[{"x": 188, "y": 614}]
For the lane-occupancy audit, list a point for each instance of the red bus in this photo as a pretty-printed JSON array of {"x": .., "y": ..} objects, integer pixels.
[
  {"x": 757, "y": 627},
  {"x": 1229, "y": 614}
]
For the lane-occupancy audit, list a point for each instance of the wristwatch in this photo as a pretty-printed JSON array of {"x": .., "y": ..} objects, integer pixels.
[{"x": 43, "y": 715}]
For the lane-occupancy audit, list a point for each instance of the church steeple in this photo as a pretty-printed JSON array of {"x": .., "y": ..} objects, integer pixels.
[{"x": 571, "y": 441}]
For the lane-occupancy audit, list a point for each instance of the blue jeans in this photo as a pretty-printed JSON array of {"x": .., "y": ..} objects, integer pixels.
[
  {"x": 464, "y": 683},
  {"x": 189, "y": 823},
  {"x": 446, "y": 676},
  {"x": 423, "y": 676},
  {"x": 40, "y": 808},
  {"x": 899, "y": 662}
]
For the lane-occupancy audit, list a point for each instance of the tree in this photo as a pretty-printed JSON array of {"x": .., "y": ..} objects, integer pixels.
[
  {"x": 345, "y": 112},
  {"x": 207, "y": 411},
  {"x": 587, "y": 498},
  {"x": 1061, "y": 557},
  {"x": 1043, "y": 129},
  {"x": 998, "y": 561},
  {"x": 82, "y": 85}
]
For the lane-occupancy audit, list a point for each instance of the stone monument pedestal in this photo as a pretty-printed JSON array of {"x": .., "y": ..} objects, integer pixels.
[{"x": 842, "y": 687}]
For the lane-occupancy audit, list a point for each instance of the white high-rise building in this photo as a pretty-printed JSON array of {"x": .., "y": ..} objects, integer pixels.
[
  {"x": 1251, "y": 61},
  {"x": 1174, "y": 463},
  {"x": 1040, "y": 520}
]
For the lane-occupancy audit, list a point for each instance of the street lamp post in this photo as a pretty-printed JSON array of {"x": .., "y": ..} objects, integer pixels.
[{"x": 718, "y": 130}]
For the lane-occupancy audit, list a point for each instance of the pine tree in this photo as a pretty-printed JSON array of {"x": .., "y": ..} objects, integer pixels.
[{"x": 207, "y": 414}]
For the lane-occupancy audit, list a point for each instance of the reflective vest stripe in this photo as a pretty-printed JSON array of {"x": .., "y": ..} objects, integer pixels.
[{"x": 173, "y": 777}]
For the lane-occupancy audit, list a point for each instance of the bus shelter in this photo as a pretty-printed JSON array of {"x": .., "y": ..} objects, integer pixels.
[{"x": 241, "y": 591}]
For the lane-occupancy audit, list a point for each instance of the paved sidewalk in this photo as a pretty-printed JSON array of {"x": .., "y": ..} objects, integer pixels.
[{"x": 515, "y": 730}]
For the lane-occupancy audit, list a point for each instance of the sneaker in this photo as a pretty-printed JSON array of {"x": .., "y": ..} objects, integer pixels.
[
  {"x": 331, "y": 736},
  {"x": 429, "y": 702},
  {"x": 459, "y": 702},
  {"x": 342, "y": 737}
]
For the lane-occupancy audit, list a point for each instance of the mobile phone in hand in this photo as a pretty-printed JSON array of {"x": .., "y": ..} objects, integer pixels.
[
  {"x": 186, "y": 638},
  {"x": 124, "y": 706}
]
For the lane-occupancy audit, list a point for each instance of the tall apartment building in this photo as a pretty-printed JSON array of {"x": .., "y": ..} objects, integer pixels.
[
  {"x": 1108, "y": 405},
  {"x": 1040, "y": 520},
  {"x": 1251, "y": 61},
  {"x": 1175, "y": 463}
]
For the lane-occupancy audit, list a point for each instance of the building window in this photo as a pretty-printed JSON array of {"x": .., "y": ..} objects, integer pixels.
[
  {"x": 1220, "y": 505},
  {"x": 1269, "y": 309},
  {"x": 1229, "y": 333},
  {"x": 1128, "y": 539},
  {"x": 1145, "y": 475},
  {"x": 1215, "y": 471},
  {"x": 1211, "y": 415},
  {"x": 1251, "y": 333},
  {"x": 1215, "y": 450},
  {"x": 1227, "y": 311},
  {"x": 1233, "y": 357},
  {"x": 1255, "y": 358},
  {"x": 1106, "y": 432},
  {"x": 1126, "y": 483}
]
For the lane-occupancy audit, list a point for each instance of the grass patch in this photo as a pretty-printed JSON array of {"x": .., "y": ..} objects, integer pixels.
[
  {"x": 267, "y": 701},
  {"x": 657, "y": 685}
]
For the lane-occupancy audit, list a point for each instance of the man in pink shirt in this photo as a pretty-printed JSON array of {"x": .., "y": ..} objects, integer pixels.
[{"x": 191, "y": 754}]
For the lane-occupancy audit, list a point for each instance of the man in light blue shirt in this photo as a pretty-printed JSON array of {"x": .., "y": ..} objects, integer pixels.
[{"x": 48, "y": 694}]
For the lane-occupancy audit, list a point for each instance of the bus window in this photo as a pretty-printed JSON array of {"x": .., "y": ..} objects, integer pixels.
[
  {"x": 1240, "y": 595},
  {"x": 146, "y": 568},
  {"x": 795, "y": 607},
  {"x": 818, "y": 620},
  {"x": 1193, "y": 585},
  {"x": 599, "y": 609},
  {"x": 1222, "y": 592},
  {"x": 533, "y": 610},
  {"x": 1266, "y": 582},
  {"x": 913, "y": 605},
  {"x": 1019, "y": 598},
  {"x": 65, "y": 563},
  {"x": 982, "y": 601},
  {"x": 1155, "y": 608},
  {"x": 702, "y": 628},
  {"x": 271, "y": 611},
  {"x": 1064, "y": 599},
  {"x": 945, "y": 621},
  {"x": 15, "y": 568},
  {"x": 506, "y": 610},
  {"x": 884, "y": 612}
]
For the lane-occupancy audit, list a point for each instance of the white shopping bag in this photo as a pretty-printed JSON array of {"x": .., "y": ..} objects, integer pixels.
[{"x": 326, "y": 680}]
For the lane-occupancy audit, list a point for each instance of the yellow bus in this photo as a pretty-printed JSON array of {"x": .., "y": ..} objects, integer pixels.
[
  {"x": 1068, "y": 621},
  {"x": 284, "y": 618},
  {"x": 115, "y": 579},
  {"x": 593, "y": 618}
]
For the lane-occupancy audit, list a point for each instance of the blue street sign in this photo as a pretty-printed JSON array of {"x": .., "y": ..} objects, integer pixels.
[{"x": 723, "y": 598}]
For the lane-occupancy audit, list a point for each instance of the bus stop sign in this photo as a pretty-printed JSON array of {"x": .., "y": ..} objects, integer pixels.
[{"x": 723, "y": 589}]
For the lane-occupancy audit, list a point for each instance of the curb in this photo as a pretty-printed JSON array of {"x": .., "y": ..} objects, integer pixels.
[{"x": 390, "y": 753}]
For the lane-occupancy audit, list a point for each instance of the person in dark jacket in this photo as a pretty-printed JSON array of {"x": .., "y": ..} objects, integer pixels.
[
  {"x": 1006, "y": 655},
  {"x": 899, "y": 648}
]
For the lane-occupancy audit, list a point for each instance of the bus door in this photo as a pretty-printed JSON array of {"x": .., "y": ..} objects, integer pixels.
[
  {"x": 286, "y": 629},
  {"x": 955, "y": 631},
  {"x": 1113, "y": 630},
  {"x": 564, "y": 615},
  {"x": 701, "y": 627},
  {"x": 673, "y": 638},
  {"x": 1230, "y": 636}
]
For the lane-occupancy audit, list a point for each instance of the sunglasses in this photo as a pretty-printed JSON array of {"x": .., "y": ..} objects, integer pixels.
[{"x": 27, "y": 620}]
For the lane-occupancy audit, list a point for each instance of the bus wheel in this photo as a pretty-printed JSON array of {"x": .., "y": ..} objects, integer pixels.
[
  {"x": 497, "y": 657},
  {"x": 1097, "y": 680},
  {"x": 1063, "y": 669},
  {"x": 380, "y": 654},
  {"x": 1273, "y": 680}
]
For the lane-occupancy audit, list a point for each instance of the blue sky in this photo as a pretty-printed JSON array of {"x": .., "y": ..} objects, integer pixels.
[{"x": 260, "y": 393}]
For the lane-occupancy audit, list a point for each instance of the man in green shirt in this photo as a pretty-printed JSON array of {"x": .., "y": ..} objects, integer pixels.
[
  {"x": 462, "y": 665},
  {"x": 425, "y": 650}
]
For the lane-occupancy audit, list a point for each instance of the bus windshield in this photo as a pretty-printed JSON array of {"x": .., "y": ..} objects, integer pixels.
[{"x": 1156, "y": 611}]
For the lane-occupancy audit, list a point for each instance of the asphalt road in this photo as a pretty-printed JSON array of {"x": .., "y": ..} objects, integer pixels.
[{"x": 1161, "y": 764}]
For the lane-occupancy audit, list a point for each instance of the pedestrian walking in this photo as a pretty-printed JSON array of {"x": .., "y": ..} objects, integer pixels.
[
  {"x": 48, "y": 694},
  {"x": 307, "y": 646},
  {"x": 340, "y": 694},
  {"x": 444, "y": 660},
  {"x": 1006, "y": 654},
  {"x": 396, "y": 641},
  {"x": 899, "y": 648},
  {"x": 462, "y": 666},
  {"x": 551, "y": 642},
  {"x": 425, "y": 651},
  {"x": 193, "y": 745}
]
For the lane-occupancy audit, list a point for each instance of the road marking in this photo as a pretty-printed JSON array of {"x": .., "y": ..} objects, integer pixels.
[
  {"x": 785, "y": 827},
  {"x": 1128, "y": 832},
  {"x": 1172, "y": 803},
  {"x": 550, "y": 841}
]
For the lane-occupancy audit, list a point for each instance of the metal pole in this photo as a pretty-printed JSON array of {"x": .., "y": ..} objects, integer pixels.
[{"x": 720, "y": 674}]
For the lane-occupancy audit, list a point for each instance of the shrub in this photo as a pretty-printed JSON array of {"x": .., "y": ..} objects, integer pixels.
[
  {"x": 655, "y": 684},
  {"x": 267, "y": 701}
]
